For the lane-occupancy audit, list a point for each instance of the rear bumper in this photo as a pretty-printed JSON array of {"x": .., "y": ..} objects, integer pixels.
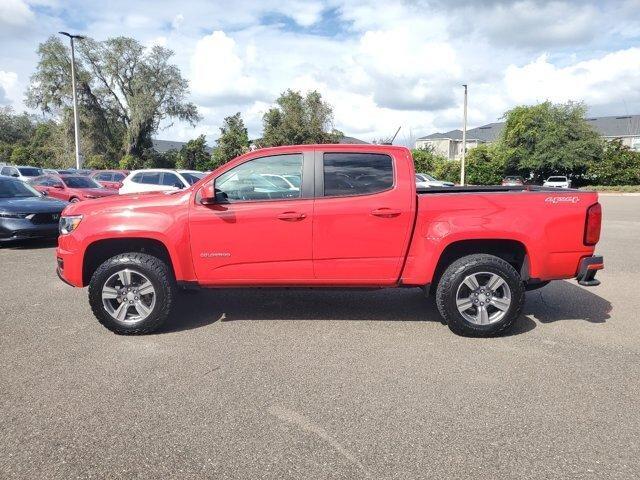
[{"x": 588, "y": 269}]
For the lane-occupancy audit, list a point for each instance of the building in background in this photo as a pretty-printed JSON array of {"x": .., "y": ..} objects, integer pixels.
[{"x": 449, "y": 144}]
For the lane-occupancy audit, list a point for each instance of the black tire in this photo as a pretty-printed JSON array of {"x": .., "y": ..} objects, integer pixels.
[
  {"x": 157, "y": 272},
  {"x": 452, "y": 279}
]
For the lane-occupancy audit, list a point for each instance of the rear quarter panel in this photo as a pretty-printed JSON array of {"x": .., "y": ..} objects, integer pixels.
[{"x": 549, "y": 224}]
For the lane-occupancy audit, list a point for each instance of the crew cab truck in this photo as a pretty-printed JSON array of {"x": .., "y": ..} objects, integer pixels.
[{"x": 356, "y": 220}]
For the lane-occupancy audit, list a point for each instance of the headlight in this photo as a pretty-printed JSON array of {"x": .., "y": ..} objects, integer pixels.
[{"x": 69, "y": 224}]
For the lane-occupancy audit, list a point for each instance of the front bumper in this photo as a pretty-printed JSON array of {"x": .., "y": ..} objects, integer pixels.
[
  {"x": 588, "y": 269},
  {"x": 12, "y": 229}
]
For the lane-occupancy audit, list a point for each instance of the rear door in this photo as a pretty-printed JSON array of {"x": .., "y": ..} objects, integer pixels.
[
  {"x": 362, "y": 218},
  {"x": 258, "y": 233}
]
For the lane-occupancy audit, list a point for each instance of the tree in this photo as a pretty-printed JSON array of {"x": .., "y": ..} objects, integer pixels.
[
  {"x": 232, "y": 142},
  {"x": 194, "y": 156},
  {"x": 297, "y": 120},
  {"x": 547, "y": 139},
  {"x": 619, "y": 166},
  {"x": 485, "y": 165},
  {"x": 124, "y": 91}
]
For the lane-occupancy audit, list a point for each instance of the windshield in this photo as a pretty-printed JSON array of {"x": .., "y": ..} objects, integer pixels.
[
  {"x": 278, "y": 181},
  {"x": 557, "y": 179},
  {"x": 16, "y": 189},
  {"x": 80, "y": 182},
  {"x": 30, "y": 171},
  {"x": 191, "y": 177},
  {"x": 294, "y": 179}
]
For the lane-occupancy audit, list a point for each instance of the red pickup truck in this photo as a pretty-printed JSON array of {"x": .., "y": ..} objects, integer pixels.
[{"x": 328, "y": 216}]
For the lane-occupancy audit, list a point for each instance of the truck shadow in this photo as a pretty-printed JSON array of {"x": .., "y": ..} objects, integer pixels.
[
  {"x": 566, "y": 300},
  {"x": 558, "y": 301}
]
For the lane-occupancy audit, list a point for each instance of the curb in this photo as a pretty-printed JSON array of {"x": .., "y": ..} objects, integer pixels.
[{"x": 619, "y": 194}]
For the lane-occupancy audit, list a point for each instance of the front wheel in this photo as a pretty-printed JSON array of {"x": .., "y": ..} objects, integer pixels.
[
  {"x": 131, "y": 293},
  {"x": 480, "y": 295}
]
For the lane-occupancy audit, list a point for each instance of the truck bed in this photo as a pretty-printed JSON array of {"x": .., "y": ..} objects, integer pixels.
[{"x": 494, "y": 188}]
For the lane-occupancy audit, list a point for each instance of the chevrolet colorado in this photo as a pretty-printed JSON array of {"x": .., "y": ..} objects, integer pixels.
[{"x": 354, "y": 218}]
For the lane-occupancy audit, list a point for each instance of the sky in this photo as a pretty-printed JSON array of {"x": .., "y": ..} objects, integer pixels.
[{"x": 382, "y": 65}]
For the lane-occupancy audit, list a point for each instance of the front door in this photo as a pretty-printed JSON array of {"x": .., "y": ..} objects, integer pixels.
[
  {"x": 362, "y": 219},
  {"x": 258, "y": 232}
]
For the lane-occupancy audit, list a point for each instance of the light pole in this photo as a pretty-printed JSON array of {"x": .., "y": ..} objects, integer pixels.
[
  {"x": 76, "y": 128},
  {"x": 464, "y": 137}
]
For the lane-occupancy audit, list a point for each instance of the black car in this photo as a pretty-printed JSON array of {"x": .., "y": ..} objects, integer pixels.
[{"x": 25, "y": 213}]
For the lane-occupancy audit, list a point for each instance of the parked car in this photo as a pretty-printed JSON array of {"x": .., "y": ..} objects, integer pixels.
[
  {"x": 25, "y": 213},
  {"x": 71, "y": 188},
  {"x": 371, "y": 228},
  {"x": 280, "y": 181},
  {"x": 427, "y": 181},
  {"x": 513, "y": 180},
  {"x": 20, "y": 172},
  {"x": 158, "y": 179},
  {"x": 557, "y": 182},
  {"x": 110, "y": 178}
]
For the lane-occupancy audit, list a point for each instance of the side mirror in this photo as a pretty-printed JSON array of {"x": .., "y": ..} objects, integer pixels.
[
  {"x": 210, "y": 196},
  {"x": 44, "y": 193},
  {"x": 58, "y": 186},
  {"x": 15, "y": 175}
]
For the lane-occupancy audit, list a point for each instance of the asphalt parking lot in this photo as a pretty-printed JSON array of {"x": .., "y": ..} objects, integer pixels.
[{"x": 323, "y": 384}]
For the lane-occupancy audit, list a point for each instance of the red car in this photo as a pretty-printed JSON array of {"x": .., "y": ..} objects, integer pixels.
[
  {"x": 356, "y": 220},
  {"x": 72, "y": 188},
  {"x": 110, "y": 178}
]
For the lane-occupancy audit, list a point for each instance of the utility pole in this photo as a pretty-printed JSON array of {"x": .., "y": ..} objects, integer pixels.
[
  {"x": 464, "y": 137},
  {"x": 75, "y": 100}
]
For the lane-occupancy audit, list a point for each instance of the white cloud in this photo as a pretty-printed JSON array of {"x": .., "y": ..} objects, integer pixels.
[
  {"x": 15, "y": 13},
  {"x": 218, "y": 72},
  {"x": 609, "y": 79},
  {"x": 8, "y": 88}
]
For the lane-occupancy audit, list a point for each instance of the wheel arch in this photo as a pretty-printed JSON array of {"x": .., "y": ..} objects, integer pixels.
[
  {"x": 101, "y": 250},
  {"x": 512, "y": 251}
]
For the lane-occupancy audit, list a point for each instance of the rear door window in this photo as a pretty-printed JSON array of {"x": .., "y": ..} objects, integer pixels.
[
  {"x": 171, "y": 180},
  {"x": 348, "y": 174},
  {"x": 151, "y": 178}
]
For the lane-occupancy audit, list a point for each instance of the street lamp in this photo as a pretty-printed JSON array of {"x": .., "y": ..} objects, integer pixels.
[
  {"x": 464, "y": 137},
  {"x": 75, "y": 101}
]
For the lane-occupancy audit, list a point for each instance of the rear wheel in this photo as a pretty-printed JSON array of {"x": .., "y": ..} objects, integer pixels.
[
  {"x": 480, "y": 295},
  {"x": 131, "y": 293}
]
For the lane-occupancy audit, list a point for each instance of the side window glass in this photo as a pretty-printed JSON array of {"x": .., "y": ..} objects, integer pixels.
[
  {"x": 261, "y": 179},
  {"x": 137, "y": 178},
  {"x": 171, "y": 180},
  {"x": 118, "y": 177},
  {"x": 151, "y": 178},
  {"x": 356, "y": 173}
]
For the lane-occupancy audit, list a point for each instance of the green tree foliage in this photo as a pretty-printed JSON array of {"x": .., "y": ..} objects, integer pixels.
[
  {"x": 619, "y": 166},
  {"x": 298, "y": 119},
  {"x": 548, "y": 139},
  {"x": 232, "y": 142},
  {"x": 26, "y": 140},
  {"x": 124, "y": 91},
  {"x": 485, "y": 165},
  {"x": 194, "y": 156}
]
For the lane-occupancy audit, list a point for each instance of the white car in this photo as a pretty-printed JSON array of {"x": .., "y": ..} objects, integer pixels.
[
  {"x": 158, "y": 180},
  {"x": 20, "y": 172},
  {"x": 285, "y": 182},
  {"x": 557, "y": 182},
  {"x": 427, "y": 181}
]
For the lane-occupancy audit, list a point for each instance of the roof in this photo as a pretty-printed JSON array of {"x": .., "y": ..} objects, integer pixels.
[
  {"x": 613, "y": 126},
  {"x": 485, "y": 133},
  {"x": 616, "y": 126},
  {"x": 352, "y": 141}
]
